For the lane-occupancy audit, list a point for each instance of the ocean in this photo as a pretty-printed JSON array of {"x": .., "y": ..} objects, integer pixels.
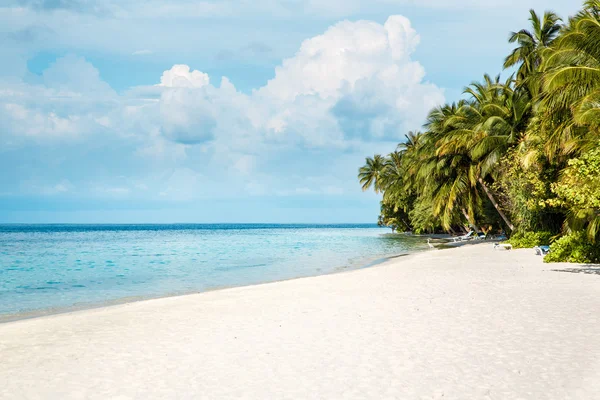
[{"x": 54, "y": 268}]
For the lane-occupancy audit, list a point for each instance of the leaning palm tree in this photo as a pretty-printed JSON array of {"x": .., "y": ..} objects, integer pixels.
[
  {"x": 444, "y": 180},
  {"x": 484, "y": 128},
  {"x": 454, "y": 190}
]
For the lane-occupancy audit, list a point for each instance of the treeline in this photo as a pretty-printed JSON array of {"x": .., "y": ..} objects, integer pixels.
[{"x": 520, "y": 155}]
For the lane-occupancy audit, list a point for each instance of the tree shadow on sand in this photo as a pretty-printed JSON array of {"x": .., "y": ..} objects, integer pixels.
[{"x": 593, "y": 269}]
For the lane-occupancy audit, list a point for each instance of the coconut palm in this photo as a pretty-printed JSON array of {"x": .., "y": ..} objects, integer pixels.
[
  {"x": 527, "y": 56},
  {"x": 484, "y": 128},
  {"x": 522, "y": 140},
  {"x": 445, "y": 179},
  {"x": 371, "y": 173},
  {"x": 572, "y": 85}
]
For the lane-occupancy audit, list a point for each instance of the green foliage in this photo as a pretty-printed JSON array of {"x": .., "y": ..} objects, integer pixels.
[
  {"x": 579, "y": 191},
  {"x": 521, "y": 154},
  {"x": 394, "y": 218},
  {"x": 422, "y": 217},
  {"x": 530, "y": 239},
  {"x": 574, "y": 247},
  {"x": 530, "y": 46},
  {"x": 525, "y": 193},
  {"x": 370, "y": 173},
  {"x": 579, "y": 185}
]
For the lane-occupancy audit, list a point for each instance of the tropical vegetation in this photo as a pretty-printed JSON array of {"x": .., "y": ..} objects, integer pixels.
[{"x": 519, "y": 155}]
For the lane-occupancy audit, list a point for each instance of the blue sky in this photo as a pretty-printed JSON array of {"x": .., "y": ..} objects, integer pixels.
[{"x": 225, "y": 111}]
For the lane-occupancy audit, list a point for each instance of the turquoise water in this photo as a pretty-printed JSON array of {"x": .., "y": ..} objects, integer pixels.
[{"x": 48, "y": 268}]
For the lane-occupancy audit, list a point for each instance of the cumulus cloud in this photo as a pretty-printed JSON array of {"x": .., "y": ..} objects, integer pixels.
[
  {"x": 34, "y": 123},
  {"x": 344, "y": 55},
  {"x": 181, "y": 76},
  {"x": 72, "y": 74},
  {"x": 186, "y": 105},
  {"x": 353, "y": 85},
  {"x": 355, "y": 72},
  {"x": 187, "y": 117},
  {"x": 356, "y": 81},
  {"x": 71, "y": 101}
]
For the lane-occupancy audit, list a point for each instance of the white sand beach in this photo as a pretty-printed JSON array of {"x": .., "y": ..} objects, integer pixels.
[{"x": 464, "y": 323}]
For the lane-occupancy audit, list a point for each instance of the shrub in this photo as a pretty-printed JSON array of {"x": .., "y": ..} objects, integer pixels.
[
  {"x": 530, "y": 239},
  {"x": 574, "y": 247},
  {"x": 579, "y": 191}
]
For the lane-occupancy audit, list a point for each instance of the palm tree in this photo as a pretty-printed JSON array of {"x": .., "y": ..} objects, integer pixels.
[
  {"x": 503, "y": 121},
  {"x": 484, "y": 128},
  {"x": 371, "y": 173},
  {"x": 530, "y": 141},
  {"x": 571, "y": 82},
  {"x": 445, "y": 179},
  {"x": 412, "y": 140},
  {"x": 454, "y": 190},
  {"x": 527, "y": 56}
]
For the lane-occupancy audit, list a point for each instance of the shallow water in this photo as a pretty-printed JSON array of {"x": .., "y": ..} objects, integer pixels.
[{"x": 57, "y": 267}]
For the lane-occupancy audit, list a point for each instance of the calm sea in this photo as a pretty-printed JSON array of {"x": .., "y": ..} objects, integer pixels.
[{"x": 51, "y": 268}]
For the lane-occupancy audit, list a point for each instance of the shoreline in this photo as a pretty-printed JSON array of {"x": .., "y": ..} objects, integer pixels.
[
  {"x": 49, "y": 312},
  {"x": 466, "y": 322},
  {"x": 76, "y": 308}
]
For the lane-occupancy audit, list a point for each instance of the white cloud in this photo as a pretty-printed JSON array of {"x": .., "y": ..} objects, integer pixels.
[
  {"x": 181, "y": 76},
  {"x": 72, "y": 76},
  {"x": 355, "y": 70},
  {"x": 70, "y": 102},
  {"x": 356, "y": 81},
  {"x": 329, "y": 63},
  {"x": 353, "y": 85},
  {"x": 311, "y": 127},
  {"x": 43, "y": 125},
  {"x": 187, "y": 116}
]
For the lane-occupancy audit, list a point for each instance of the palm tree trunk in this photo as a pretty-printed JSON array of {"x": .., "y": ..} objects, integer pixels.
[
  {"x": 491, "y": 197},
  {"x": 472, "y": 223},
  {"x": 406, "y": 224}
]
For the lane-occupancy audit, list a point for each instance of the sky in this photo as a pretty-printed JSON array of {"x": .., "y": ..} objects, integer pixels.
[{"x": 130, "y": 111}]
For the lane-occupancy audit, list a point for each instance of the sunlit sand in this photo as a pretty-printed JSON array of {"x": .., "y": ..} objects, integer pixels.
[{"x": 464, "y": 323}]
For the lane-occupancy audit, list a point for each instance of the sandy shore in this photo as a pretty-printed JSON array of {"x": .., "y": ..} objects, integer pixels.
[{"x": 464, "y": 323}]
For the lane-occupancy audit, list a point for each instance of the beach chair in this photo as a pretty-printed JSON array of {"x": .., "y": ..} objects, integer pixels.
[
  {"x": 467, "y": 236},
  {"x": 541, "y": 250}
]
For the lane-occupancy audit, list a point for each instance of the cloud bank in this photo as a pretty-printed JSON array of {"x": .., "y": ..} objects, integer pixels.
[{"x": 352, "y": 89}]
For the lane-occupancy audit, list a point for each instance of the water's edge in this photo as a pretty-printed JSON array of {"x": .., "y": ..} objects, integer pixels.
[{"x": 8, "y": 318}]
